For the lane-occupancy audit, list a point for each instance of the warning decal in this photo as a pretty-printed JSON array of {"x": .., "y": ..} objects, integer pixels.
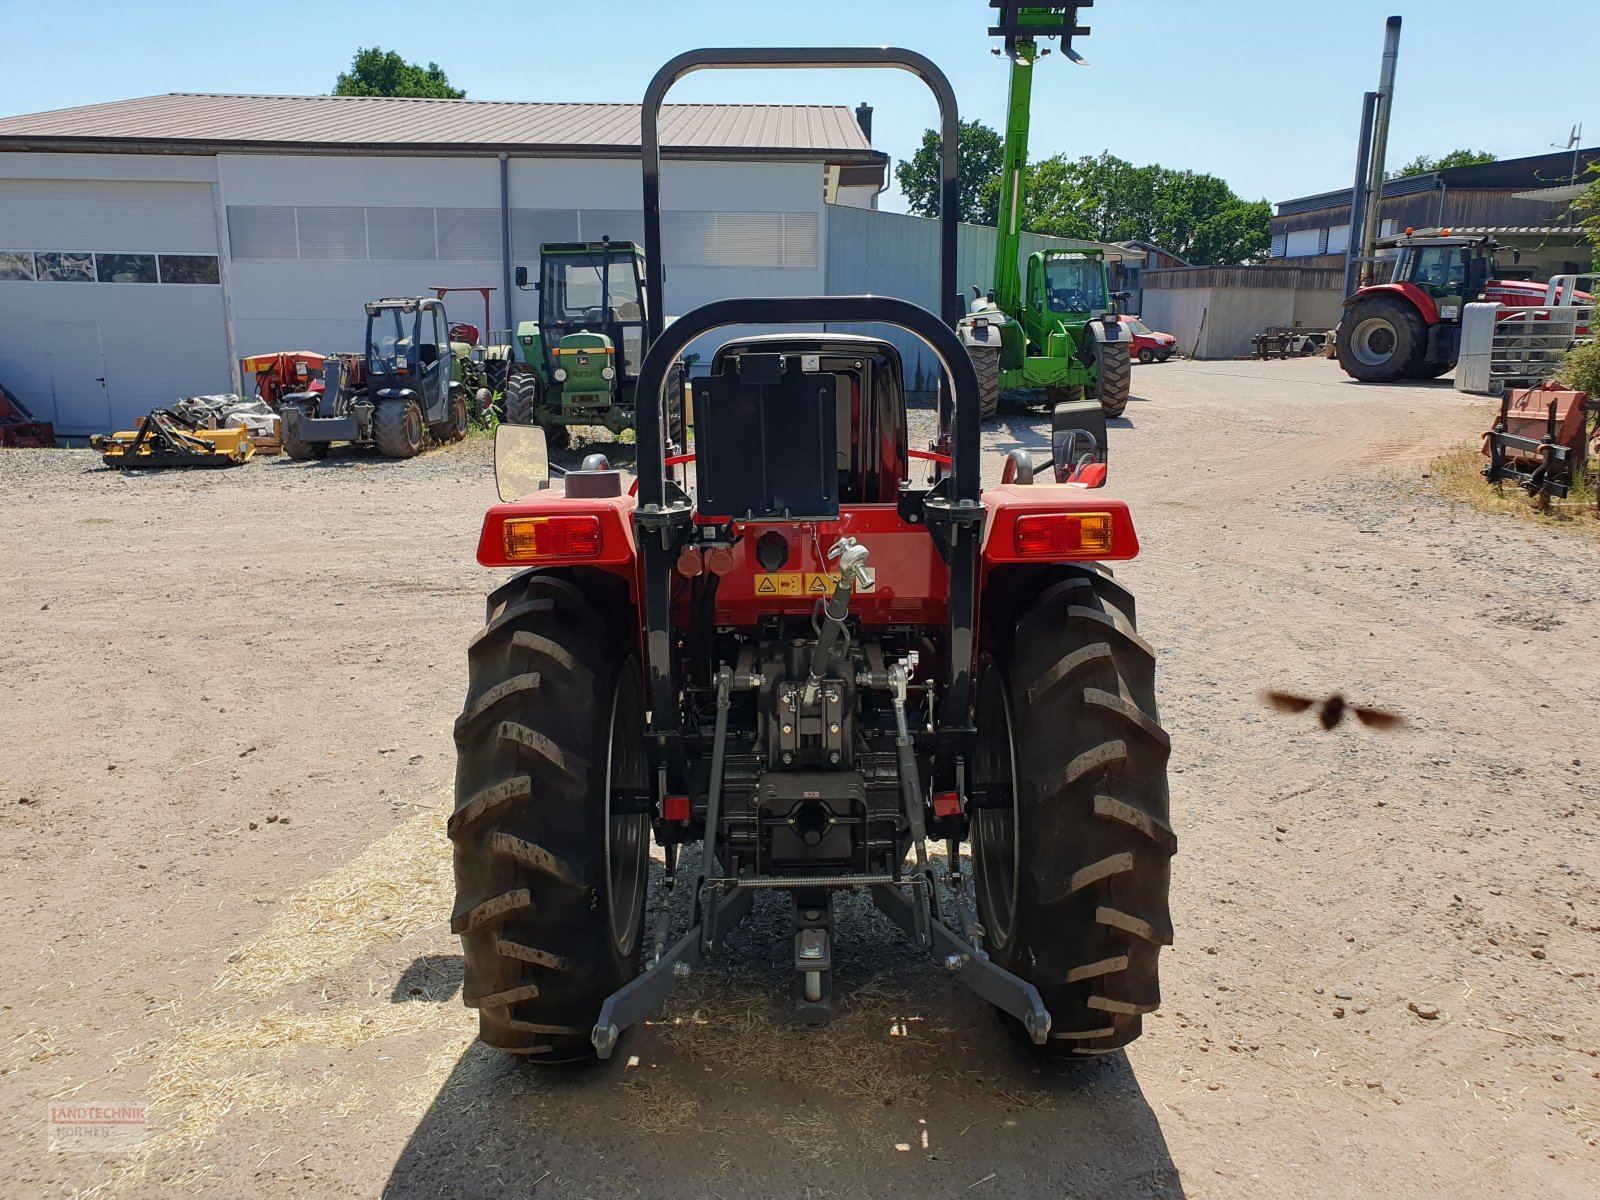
[
  {"x": 819, "y": 585},
  {"x": 783, "y": 583}
]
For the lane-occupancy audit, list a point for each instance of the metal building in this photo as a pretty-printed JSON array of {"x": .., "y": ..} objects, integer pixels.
[{"x": 147, "y": 245}]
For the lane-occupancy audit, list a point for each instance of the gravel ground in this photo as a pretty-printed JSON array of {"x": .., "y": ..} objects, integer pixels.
[{"x": 225, "y": 761}]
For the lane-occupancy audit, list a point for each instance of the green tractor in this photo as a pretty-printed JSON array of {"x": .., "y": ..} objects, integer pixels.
[
  {"x": 579, "y": 361},
  {"x": 1066, "y": 340}
]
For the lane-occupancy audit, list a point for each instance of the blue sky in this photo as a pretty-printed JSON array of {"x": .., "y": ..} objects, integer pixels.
[{"x": 1264, "y": 93}]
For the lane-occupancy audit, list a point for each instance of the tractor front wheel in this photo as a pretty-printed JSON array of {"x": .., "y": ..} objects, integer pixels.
[
  {"x": 986, "y": 362},
  {"x": 520, "y": 400},
  {"x": 1380, "y": 338},
  {"x": 397, "y": 428},
  {"x": 1072, "y": 874},
  {"x": 521, "y": 407},
  {"x": 550, "y": 882},
  {"x": 297, "y": 448},
  {"x": 1113, "y": 376}
]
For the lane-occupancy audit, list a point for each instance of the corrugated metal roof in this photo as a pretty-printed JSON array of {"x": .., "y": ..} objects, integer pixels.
[
  {"x": 1506, "y": 174},
  {"x": 183, "y": 121}
]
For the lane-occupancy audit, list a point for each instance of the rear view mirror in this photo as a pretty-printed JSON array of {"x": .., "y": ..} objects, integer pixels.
[
  {"x": 1078, "y": 443},
  {"x": 521, "y": 461},
  {"x": 522, "y": 277}
]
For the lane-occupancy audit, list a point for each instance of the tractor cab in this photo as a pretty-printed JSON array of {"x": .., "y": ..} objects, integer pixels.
[
  {"x": 408, "y": 353},
  {"x": 1451, "y": 270},
  {"x": 1067, "y": 284}
]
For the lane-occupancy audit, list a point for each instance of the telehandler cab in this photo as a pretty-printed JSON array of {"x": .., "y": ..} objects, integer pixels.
[{"x": 797, "y": 649}]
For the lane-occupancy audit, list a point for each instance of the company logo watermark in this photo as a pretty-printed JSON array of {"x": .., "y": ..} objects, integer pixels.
[{"x": 98, "y": 1127}]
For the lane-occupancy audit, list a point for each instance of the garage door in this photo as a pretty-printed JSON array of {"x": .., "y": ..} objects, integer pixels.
[{"x": 111, "y": 299}]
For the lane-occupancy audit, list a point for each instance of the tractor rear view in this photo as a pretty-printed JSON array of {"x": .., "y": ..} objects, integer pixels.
[
  {"x": 796, "y": 650},
  {"x": 1061, "y": 336}
]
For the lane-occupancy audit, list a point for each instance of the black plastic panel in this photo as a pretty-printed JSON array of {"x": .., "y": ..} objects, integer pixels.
[{"x": 766, "y": 436}]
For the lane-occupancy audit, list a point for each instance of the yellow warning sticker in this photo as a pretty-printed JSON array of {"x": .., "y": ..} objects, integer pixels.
[
  {"x": 818, "y": 584},
  {"x": 783, "y": 583}
]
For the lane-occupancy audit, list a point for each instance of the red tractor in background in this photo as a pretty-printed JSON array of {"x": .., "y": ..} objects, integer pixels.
[{"x": 1410, "y": 327}]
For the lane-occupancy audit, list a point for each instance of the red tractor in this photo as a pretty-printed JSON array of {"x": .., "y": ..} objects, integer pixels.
[
  {"x": 809, "y": 649},
  {"x": 1410, "y": 327}
]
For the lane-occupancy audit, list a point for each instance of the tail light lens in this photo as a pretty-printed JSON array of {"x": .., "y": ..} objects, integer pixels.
[
  {"x": 530, "y": 539},
  {"x": 1062, "y": 535}
]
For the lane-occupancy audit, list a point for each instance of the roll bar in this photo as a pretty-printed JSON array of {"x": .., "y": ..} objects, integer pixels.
[
  {"x": 805, "y": 310},
  {"x": 952, "y": 511},
  {"x": 924, "y": 68}
]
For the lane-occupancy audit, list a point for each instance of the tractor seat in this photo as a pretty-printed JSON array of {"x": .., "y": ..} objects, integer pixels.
[{"x": 627, "y": 311}]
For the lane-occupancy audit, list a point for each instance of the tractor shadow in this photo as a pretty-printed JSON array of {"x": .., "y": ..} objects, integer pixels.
[{"x": 915, "y": 1086}]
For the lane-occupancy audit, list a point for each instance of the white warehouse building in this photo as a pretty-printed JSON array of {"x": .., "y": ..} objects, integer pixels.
[{"x": 146, "y": 246}]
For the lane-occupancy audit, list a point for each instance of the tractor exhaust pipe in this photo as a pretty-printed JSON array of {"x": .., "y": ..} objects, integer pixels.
[
  {"x": 1359, "y": 200},
  {"x": 1373, "y": 217}
]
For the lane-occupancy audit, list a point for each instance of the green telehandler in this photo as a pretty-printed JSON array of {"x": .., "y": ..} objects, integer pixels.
[{"x": 1061, "y": 336}]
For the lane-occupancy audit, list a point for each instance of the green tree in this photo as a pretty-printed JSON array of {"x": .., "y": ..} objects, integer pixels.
[
  {"x": 978, "y": 179},
  {"x": 1422, "y": 164},
  {"x": 378, "y": 72},
  {"x": 1197, "y": 217}
]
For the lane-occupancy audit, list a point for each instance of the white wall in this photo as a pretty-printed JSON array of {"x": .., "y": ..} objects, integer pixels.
[
  {"x": 87, "y": 356},
  {"x": 317, "y": 304},
  {"x": 1219, "y": 322}
]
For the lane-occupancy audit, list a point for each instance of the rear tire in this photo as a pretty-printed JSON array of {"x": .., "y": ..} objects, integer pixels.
[
  {"x": 520, "y": 399},
  {"x": 397, "y": 428},
  {"x": 1379, "y": 339},
  {"x": 1113, "y": 376},
  {"x": 550, "y": 886},
  {"x": 1072, "y": 880},
  {"x": 494, "y": 373},
  {"x": 986, "y": 362}
]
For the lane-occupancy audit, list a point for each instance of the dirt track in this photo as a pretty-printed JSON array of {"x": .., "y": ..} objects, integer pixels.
[{"x": 225, "y": 759}]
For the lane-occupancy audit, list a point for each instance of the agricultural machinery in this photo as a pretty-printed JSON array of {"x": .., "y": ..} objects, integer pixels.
[
  {"x": 580, "y": 360},
  {"x": 1061, "y": 335},
  {"x": 400, "y": 389},
  {"x": 1409, "y": 327},
  {"x": 815, "y": 652}
]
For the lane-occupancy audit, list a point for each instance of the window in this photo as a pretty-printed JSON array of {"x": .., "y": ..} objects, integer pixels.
[
  {"x": 16, "y": 264},
  {"x": 1074, "y": 285},
  {"x": 189, "y": 268},
  {"x": 401, "y": 235},
  {"x": 1338, "y": 239},
  {"x": 262, "y": 231},
  {"x": 1303, "y": 243},
  {"x": 468, "y": 234},
  {"x": 332, "y": 233},
  {"x": 740, "y": 239},
  {"x": 65, "y": 266},
  {"x": 1280, "y": 245},
  {"x": 126, "y": 268}
]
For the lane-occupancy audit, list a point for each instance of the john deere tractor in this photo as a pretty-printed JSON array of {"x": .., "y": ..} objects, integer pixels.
[
  {"x": 577, "y": 364},
  {"x": 1063, "y": 338}
]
